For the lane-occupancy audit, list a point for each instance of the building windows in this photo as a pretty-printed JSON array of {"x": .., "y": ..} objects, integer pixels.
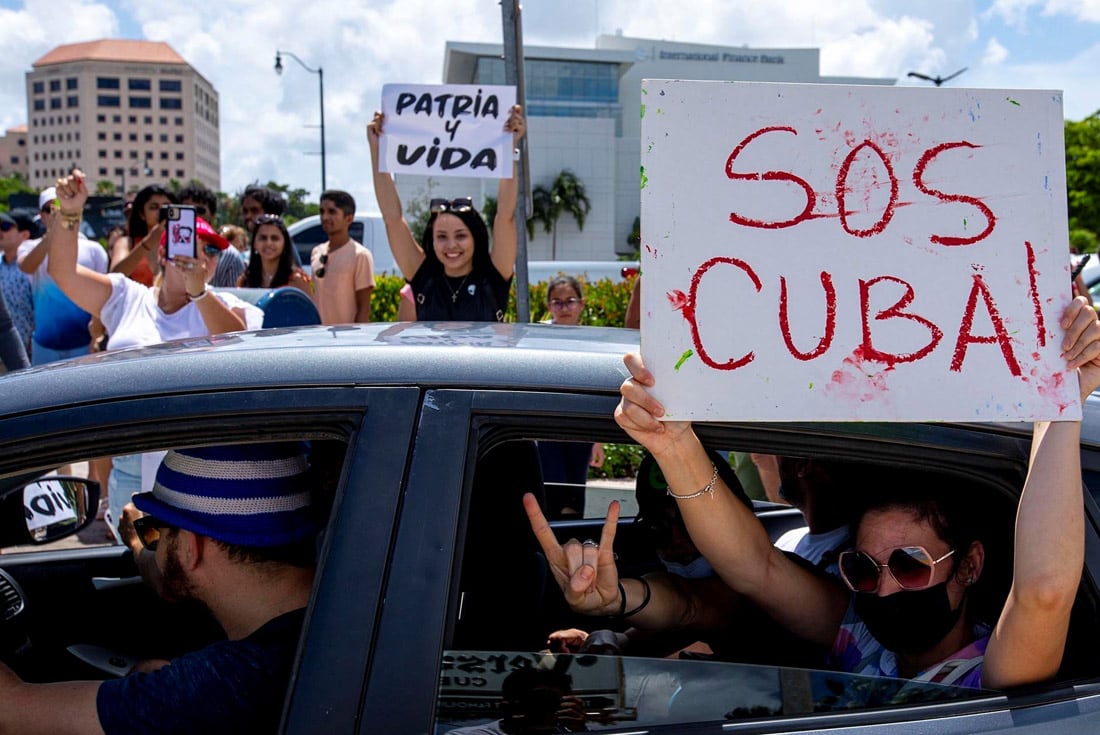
[
  {"x": 179, "y": 155},
  {"x": 148, "y": 137},
  {"x": 179, "y": 173},
  {"x": 164, "y": 155},
  {"x": 171, "y": 103},
  {"x": 133, "y": 137},
  {"x": 72, "y": 101},
  {"x": 140, "y": 103},
  {"x": 39, "y": 105},
  {"x": 171, "y": 85},
  {"x": 133, "y": 155},
  {"x": 55, "y": 103},
  {"x": 179, "y": 121},
  {"x": 116, "y": 119},
  {"x": 102, "y": 153},
  {"x": 55, "y": 85},
  {"x": 101, "y": 135},
  {"x": 139, "y": 85},
  {"x": 117, "y": 136},
  {"x": 108, "y": 100},
  {"x": 102, "y": 170},
  {"x": 101, "y": 118},
  {"x": 118, "y": 154},
  {"x": 106, "y": 83},
  {"x": 164, "y": 137},
  {"x": 164, "y": 121},
  {"x": 132, "y": 119},
  {"x": 164, "y": 173},
  {"x": 147, "y": 120},
  {"x": 38, "y": 87},
  {"x": 179, "y": 138},
  {"x": 70, "y": 83}
]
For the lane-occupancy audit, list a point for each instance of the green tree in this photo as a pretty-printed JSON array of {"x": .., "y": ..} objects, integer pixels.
[
  {"x": 296, "y": 205},
  {"x": 13, "y": 184},
  {"x": 1083, "y": 173},
  {"x": 566, "y": 194},
  {"x": 104, "y": 187}
]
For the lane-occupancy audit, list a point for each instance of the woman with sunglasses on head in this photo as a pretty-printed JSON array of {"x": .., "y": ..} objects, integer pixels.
[
  {"x": 905, "y": 551},
  {"x": 135, "y": 254},
  {"x": 136, "y": 315},
  {"x": 453, "y": 273},
  {"x": 271, "y": 264}
]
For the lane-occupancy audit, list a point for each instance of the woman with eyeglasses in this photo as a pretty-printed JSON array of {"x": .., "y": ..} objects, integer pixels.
[
  {"x": 565, "y": 300},
  {"x": 901, "y": 608},
  {"x": 271, "y": 264},
  {"x": 135, "y": 254},
  {"x": 453, "y": 273}
]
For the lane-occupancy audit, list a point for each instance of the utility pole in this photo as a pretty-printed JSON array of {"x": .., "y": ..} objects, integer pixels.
[{"x": 511, "y": 18}]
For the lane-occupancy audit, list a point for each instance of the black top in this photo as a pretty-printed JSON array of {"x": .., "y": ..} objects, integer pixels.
[{"x": 479, "y": 296}]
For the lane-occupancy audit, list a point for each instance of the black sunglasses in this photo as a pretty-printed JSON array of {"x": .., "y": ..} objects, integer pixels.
[
  {"x": 5, "y": 226},
  {"x": 148, "y": 530},
  {"x": 321, "y": 271},
  {"x": 462, "y": 204}
]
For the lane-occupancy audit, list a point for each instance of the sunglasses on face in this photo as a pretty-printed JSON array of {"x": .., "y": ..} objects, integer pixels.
[
  {"x": 462, "y": 204},
  {"x": 570, "y": 303},
  {"x": 268, "y": 219},
  {"x": 5, "y": 226},
  {"x": 912, "y": 567},
  {"x": 47, "y": 210},
  {"x": 320, "y": 272},
  {"x": 148, "y": 530}
]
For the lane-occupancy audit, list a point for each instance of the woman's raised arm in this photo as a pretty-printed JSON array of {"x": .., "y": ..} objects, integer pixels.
[{"x": 406, "y": 252}]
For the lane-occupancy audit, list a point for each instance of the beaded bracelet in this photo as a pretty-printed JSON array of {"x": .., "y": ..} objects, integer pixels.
[
  {"x": 622, "y": 599},
  {"x": 708, "y": 489}
]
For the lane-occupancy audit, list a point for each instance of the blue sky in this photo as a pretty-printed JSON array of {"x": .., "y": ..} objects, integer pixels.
[{"x": 363, "y": 44}]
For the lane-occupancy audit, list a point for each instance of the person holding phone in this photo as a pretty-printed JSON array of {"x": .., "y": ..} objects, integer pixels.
[{"x": 453, "y": 272}]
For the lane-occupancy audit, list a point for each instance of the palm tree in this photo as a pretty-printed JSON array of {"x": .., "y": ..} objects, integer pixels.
[{"x": 566, "y": 194}]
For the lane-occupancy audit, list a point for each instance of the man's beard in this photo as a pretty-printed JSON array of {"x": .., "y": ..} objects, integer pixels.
[{"x": 176, "y": 587}]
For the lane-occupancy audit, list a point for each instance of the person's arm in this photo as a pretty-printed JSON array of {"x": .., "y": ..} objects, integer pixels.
[
  {"x": 504, "y": 226},
  {"x": 64, "y": 708},
  {"x": 1029, "y": 639},
  {"x": 216, "y": 315},
  {"x": 86, "y": 288},
  {"x": 145, "y": 560},
  {"x": 722, "y": 528},
  {"x": 362, "y": 304},
  {"x": 126, "y": 256},
  {"x": 298, "y": 279},
  {"x": 406, "y": 252},
  {"x": 31, "y": 259},
  {"x": 633, "y": 318}
]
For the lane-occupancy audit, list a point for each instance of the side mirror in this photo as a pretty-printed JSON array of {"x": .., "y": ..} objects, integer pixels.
[{"x": 47, "y": 509}]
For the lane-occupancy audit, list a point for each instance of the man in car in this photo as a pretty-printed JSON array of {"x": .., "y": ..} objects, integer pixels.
[
  {"x": 232, "y": 530},
  {"x": 343, "y": 270}
]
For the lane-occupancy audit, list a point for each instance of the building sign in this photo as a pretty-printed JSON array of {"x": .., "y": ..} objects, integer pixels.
[
  {"x": 447, "y": 130},
  {"x": 828, "y": 252}
]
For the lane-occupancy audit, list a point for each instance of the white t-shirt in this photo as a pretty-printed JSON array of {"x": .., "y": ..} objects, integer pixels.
[
  {"x": 133, "y": 318},
  {"x": 812, "y": 546}
]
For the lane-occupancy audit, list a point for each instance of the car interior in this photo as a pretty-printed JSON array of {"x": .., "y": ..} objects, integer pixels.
[{"x": 499, "y": 629}]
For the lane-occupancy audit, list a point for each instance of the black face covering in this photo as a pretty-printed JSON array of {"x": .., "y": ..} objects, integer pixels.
[{"x": 908, "y": 621}]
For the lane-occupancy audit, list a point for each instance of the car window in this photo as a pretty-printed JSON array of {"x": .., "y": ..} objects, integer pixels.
[{"x": 517, "y": 650}]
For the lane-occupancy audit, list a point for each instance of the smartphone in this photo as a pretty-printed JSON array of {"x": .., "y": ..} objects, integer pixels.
[
  {"x": 1079, "y": 267},
  {"x": 179, "y": 224}
]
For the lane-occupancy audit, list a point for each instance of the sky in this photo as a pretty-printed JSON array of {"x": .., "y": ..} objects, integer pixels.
[{"x": 268, "y": 122}]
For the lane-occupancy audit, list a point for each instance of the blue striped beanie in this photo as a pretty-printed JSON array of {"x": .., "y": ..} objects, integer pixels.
[{"x": 245, "y": 494}]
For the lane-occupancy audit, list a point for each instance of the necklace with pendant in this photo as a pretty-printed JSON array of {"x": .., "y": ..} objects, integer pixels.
[{"x": 455, "y": 291}]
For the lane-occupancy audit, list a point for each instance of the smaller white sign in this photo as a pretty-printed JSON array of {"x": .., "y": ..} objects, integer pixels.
[
  {"x": 447, "y": 130},
  {"x": 46, "y": 502}
]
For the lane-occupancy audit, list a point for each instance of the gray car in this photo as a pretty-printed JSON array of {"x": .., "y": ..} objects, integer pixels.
[{"x": 432, "y": 592}]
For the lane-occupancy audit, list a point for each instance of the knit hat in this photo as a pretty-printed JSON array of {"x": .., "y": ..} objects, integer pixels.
[{"x": 246, "y": 494}]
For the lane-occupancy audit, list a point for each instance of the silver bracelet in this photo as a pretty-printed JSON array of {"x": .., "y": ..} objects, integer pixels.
[
  {"x": 708, "y": 489},
  {"x": 201, "y": 296}
]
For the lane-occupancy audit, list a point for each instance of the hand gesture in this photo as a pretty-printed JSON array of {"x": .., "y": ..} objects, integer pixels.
[
  {"x": 374, "y": 133},
  {"x": 1081, "y": 345},
  {"x": 516, "y": 124},
  {"x": 193, "y": 271},
  {"x": 569, "y": 640},
  {"x": 72, "y": 192},
  {"x": 585, "y": 571},
  {"x": 152, "y": 240},
  {"x": 638, "y": 412}
]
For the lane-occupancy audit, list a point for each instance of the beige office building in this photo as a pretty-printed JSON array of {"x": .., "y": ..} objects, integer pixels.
[
  {"x": 13, "y": 151},
  {"x": 128, "y": 112}
]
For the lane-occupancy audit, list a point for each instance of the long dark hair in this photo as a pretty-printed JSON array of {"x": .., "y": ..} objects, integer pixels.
[
  {"x": 473, "y": 221},
  {"x": 254, "y": 276},
  {"x": 138, "y": 228}
]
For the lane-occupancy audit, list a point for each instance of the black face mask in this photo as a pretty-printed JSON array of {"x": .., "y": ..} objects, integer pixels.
[{"x": 908, "y": 621}]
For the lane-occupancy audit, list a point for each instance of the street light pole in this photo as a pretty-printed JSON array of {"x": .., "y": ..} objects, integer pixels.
[{"x": 320, "y": 72}]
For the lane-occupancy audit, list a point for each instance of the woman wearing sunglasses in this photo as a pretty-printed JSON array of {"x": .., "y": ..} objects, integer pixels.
[
  {"x": 453, "y": 273},
  {"x": 271, "y": 264},
  {"x": 905, "y": 551}
]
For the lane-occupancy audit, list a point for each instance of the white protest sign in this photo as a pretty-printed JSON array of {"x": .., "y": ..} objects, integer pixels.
[
  {"x": 46, "y": 502},
  {"x": 447, "y": 130},
  {"x": 828, "y": 252}
]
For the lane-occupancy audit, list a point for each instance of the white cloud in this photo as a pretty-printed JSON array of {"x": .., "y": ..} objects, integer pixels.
[
  {"x": 1084, "y": 10},
  {"x": 994, "y": 54}
]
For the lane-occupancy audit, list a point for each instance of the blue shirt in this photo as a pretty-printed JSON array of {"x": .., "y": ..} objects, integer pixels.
[
  {"x": 59, "y": 323},
  {"x": 16, "y": 287},
  {"x": 228, "y": 687}
]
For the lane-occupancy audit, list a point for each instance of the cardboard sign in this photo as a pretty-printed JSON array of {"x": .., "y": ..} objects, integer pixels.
[
  {"x": 447, "y": 130},
  {"x": 829, "y": 252},
  {"x": 46, "y": 502}
]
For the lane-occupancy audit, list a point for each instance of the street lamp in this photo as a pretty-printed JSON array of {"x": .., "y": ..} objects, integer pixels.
[{"x": 320, "y": 72}]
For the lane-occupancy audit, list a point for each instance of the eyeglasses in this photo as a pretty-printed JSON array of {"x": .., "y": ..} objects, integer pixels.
[
  {"x": 148, "y": 530},
  {"x": 268, "y": 219},
  {"x": 462, "y": 204},
  {"x": 5, "y": 226},
  {"x": 320, "y": 273},
  {"x": 569, "y": 303},
  {"x": 912, "y": 567}
]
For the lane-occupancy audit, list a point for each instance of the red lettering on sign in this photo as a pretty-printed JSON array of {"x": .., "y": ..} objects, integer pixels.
[
  {"x": 689, "y": 312},
  {"x": 967, "y": 338},
  {"x": 918, "y": 181},
  {"x": 842, "y": 191},
  {"x": 1033, "y": 287},
  {"x": 893, "y": 312},
  {"x": 811, "y": 197},
  {"x": 830, "y": 319}
]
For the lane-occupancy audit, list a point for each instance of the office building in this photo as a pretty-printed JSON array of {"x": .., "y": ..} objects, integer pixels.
[
  {"x": 583, "y": 115},
  {"x": 128, "y": 112},
  {"x": 13, "y": 151}
]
